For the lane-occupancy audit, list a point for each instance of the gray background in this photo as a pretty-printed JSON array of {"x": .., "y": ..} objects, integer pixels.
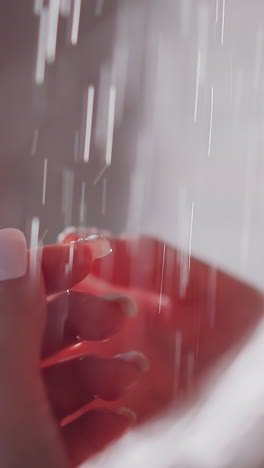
[{"x": 161, "y": 173}]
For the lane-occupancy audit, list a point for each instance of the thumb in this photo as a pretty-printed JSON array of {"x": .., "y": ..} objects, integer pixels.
[
  {"x": 28, "y": 435},
  {"x": 22, "y": 305}
]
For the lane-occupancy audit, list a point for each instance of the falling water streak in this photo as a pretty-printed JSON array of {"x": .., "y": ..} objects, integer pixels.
[
  {"x": 68, "y": 266},
  {"x": 211, "y": 122},
  {"x": 100, "y": 128},
  {"x": 99, "y": 175},
  {"x": 190, "y": 237},
  {"x": 88, "y": 125},
  {"x": 52, "y": 30},
  {"x": 259, "y": 52},
  {"x": 104, "y": 196},
  {"x": 76, "y": 144},
  {"x": 162, "y": 277},
  {"x": 231, "y": 79},
  {"x": 110, "y": 127},
  {"x": 216, "y": 11},
  {"x": 43, "y": 237},
  {"x": 34, "y": 233},
  {"x": 34, "y": 243},
  {"x": 38, "y": 6},
  {"x": 177, "y": 359},
  {"x": 82, "y": 205},
  {"x": 184, "y": 274},
  {"x": 184, "y": 231},
  {"x": 75, "y": 21},
  {"x": 65, "y": 8},
  {"x": 41, "y": 59},
  {"x": 197, "y": 84},
  {"x": 35, "y": 142},
  {"x": 99, "y": 7},
  {"x": 45, "y": 167},
  {"x": 223, "y": 23},
  {"x": 67, "y": 195}
]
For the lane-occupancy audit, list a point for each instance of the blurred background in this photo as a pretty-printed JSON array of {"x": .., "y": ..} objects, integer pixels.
[{"x": 136, "y": 116}]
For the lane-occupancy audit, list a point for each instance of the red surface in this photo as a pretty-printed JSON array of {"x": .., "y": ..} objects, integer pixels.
[{"x": 215, "y": 314}]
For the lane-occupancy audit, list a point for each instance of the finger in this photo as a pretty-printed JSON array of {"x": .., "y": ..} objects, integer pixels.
[
  {"x": 124, "y": 268},
  {"x": 153, "y": 270},
  {"x": 89, "y": 317},
  {"x": 94, "y": 430},
  {"x": 72, "y": 385},
  {"x": 64, "y": 266}
]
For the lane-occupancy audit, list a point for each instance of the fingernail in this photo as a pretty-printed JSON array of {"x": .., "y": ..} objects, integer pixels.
[
  {"x": 138, "y": 358},
  {"x": 127, "y": 413},
  {"x": 13, "y": 254},
  {"x": 128, "y": 306},
  {"x": 67, "y": 231},
  {"x": 100, "y": 245}
]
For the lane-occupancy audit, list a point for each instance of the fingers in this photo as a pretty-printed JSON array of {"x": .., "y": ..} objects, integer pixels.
[
  {"x": 72, "y": 385},
  {"x": 64, "y": 266},
  {"x": 90, "y": 433},
  {"x": 78, "y": 314},
  {"x": 135, "y": 261}
]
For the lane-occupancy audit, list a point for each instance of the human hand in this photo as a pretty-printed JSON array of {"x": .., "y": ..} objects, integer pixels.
[
  {"x": 39, "y": 401},
  {"x": 183, "y": 333}
]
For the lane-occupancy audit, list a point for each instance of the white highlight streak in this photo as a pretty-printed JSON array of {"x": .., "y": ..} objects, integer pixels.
[
  {"x": 68, "y": 266},
  {"x": 67, "y": 195},
  {"x": 38, "y": 5},
  {"x": 34, "y": 233},
  {"x": 88, "y": 126},
  {"x": 211, "y": 121},
  {"x": 99, "y": 175},
  {"x": 53, "y": 20},
  {"x": 41, "y": 59},
  {"x": 216, "y": 11},
  {"x": 75, "y": 21},
  {"x": 44, "y": 181},
  {"x": 197, "y": 84},
  {"x": 35, "y": 142},
  {"x": 33, "y": 255},
  {"x": 110, "y": 129},
  {"x": 223, "y": 23}
]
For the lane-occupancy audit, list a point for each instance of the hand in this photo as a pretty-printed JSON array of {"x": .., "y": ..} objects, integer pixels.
[
  {"x": 182, "y": 328},
  {"x": 41, "y": 425}
]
